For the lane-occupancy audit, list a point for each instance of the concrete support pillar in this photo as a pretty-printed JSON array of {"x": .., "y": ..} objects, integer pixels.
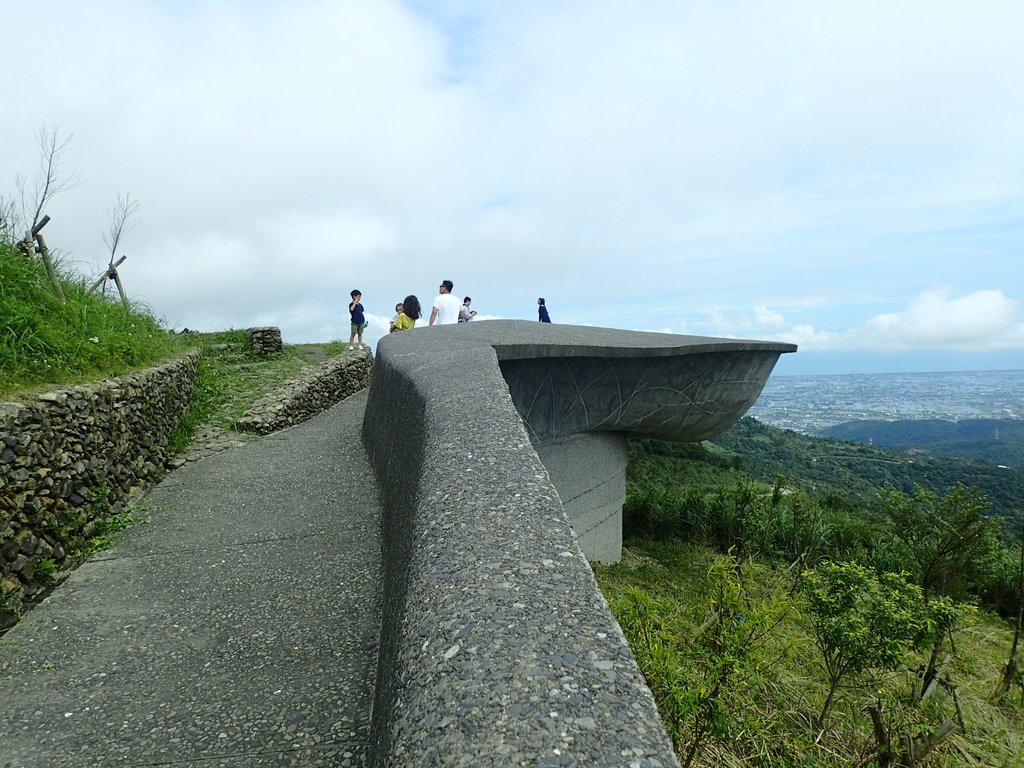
[{"x": 588, "y": 470}]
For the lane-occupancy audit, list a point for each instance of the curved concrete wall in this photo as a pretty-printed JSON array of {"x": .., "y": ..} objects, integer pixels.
[{"x": 497, "y": 646}]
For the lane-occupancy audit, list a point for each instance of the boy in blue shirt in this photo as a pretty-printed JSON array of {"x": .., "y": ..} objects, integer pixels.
[{"x": 355, "y": 309}]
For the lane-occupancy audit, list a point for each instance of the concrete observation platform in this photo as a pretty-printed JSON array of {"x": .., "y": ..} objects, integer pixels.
[
  {"x": 500, "y": 451},
  {"x": 237, "y": 628}
]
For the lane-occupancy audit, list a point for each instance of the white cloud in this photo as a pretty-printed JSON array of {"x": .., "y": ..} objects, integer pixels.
[
  {"x": 802, "y": 168},
  {"x": 934, "y": 320}
]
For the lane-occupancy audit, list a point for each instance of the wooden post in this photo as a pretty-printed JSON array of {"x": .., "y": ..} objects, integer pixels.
[
  {"x": 54, "y": 280},
  {"x": 120, "y": 289},
  {"x": 39, "y": 226},
  {"x": 107, "y": 274}
]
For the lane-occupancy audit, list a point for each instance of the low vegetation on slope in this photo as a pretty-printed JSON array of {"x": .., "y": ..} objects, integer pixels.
[
  {"x": 232, "y": 377},
  {"x": 46, "y": 341},
  {"x": 783, "y": 626}
]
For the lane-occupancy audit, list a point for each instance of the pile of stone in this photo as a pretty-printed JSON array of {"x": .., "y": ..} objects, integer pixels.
[
  {"x": 316, "y": 389},
  {"x": 265, "y": 340}
]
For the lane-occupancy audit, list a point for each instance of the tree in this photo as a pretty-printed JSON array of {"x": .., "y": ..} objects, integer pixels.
[
  {"x": 861, "y": 622},
  {"x": 944, "y": 535},
  {"x": 123, "y": 216},
  {"x": 1012, "y": 672},
  {"x": 27, "y": 213}
]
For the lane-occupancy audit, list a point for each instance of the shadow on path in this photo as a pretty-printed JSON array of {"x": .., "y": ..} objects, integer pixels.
[{"x": 239, "y": 627}]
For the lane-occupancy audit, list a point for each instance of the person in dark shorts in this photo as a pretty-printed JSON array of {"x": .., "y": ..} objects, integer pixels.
[{"x": 355, "y": 309}]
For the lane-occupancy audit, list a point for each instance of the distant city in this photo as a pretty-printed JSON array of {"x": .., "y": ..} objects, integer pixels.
[{"x": 808, "y": 404}]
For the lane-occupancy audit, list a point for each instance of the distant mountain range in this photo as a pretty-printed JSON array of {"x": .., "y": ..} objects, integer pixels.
[
  {"x": 829, "y": 466},
  {"x": 990, "y": 441}
]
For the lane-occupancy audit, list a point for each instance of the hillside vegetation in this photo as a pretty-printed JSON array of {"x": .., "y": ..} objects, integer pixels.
[
  {"x": 791, "y": 605},
  {"x": 47, "y": 342},
  {"x": 856, "y": 471},
  {"x": 987, "y": 441}
]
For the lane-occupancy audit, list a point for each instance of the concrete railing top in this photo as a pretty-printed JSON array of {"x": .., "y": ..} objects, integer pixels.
[
  {"x": 519, "y": 339},
  {"x": 497, "y": 647}
]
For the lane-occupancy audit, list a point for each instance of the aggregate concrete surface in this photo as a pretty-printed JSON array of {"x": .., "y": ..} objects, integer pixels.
[{"x": 238, "y": 628}]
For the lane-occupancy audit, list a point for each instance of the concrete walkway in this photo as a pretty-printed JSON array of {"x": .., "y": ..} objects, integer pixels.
[{"x": 238, "y": 628}]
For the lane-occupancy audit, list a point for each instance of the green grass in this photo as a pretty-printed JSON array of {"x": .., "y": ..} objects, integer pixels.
[
  {"x": 232, "y": 377},
  {"x": 768, "y": 714},
  {"x": 46, "y": 342}
]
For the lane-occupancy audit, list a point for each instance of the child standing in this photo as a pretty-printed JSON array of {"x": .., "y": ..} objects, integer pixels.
[{"x": 355, "y": 309}]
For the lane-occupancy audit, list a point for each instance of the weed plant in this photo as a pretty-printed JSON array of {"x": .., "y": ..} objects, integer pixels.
[{"x": 46, "y": 342}]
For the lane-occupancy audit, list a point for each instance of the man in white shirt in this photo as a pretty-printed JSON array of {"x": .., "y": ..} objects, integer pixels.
[{"x": 446, "y": 307}]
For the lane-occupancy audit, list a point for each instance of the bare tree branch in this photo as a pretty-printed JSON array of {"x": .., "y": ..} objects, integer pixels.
[
  {"x": 24, "y": 210},
  {"x": 123, "y": 217},
  {"x": 49, "y": 182}
]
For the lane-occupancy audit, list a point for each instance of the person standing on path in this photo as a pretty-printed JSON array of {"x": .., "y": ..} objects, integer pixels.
[
  {"x": 542, "y": 312},
  {"x": 355, "y": 309},
  {"x": 446, "y": 306},
  {"x": 465, "y": 313}
]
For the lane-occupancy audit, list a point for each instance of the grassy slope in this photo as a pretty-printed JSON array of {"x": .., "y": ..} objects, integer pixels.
[
  {"x": 232, "y": 377},
  {"x": 45, "y": 342},
  {"x": 773, "y": 715},
  {"x": 778, "y": 705}
]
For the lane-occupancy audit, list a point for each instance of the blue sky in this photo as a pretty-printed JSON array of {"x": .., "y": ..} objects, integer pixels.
[{"x": 845, "y": 176}]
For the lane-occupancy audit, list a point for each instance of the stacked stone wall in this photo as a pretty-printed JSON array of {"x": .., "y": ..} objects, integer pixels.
[
  {"x": 316, "y": 389},
  {"x": 71, "y": 457},
  {"x": 265, "y": 340}
]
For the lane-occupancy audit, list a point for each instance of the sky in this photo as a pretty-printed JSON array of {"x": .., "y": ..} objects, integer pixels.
[{"x": 845, "y": 176}]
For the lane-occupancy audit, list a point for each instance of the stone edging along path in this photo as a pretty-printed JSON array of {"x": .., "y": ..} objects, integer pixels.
[{"x": 72, "y": 457}]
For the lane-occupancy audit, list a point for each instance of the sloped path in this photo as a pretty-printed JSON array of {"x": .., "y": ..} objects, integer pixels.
[{"x": 239, "y": 627}]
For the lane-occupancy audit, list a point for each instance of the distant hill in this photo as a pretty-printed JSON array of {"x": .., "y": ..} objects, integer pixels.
[
  {"x": 989, "y": 441},
  {"x": 828, "y": 466}
]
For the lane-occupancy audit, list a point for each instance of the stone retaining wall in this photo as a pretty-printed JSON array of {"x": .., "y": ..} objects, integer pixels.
[
  {"x": 70, "y": 457},
  {"x": 315, "y": 389}
]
